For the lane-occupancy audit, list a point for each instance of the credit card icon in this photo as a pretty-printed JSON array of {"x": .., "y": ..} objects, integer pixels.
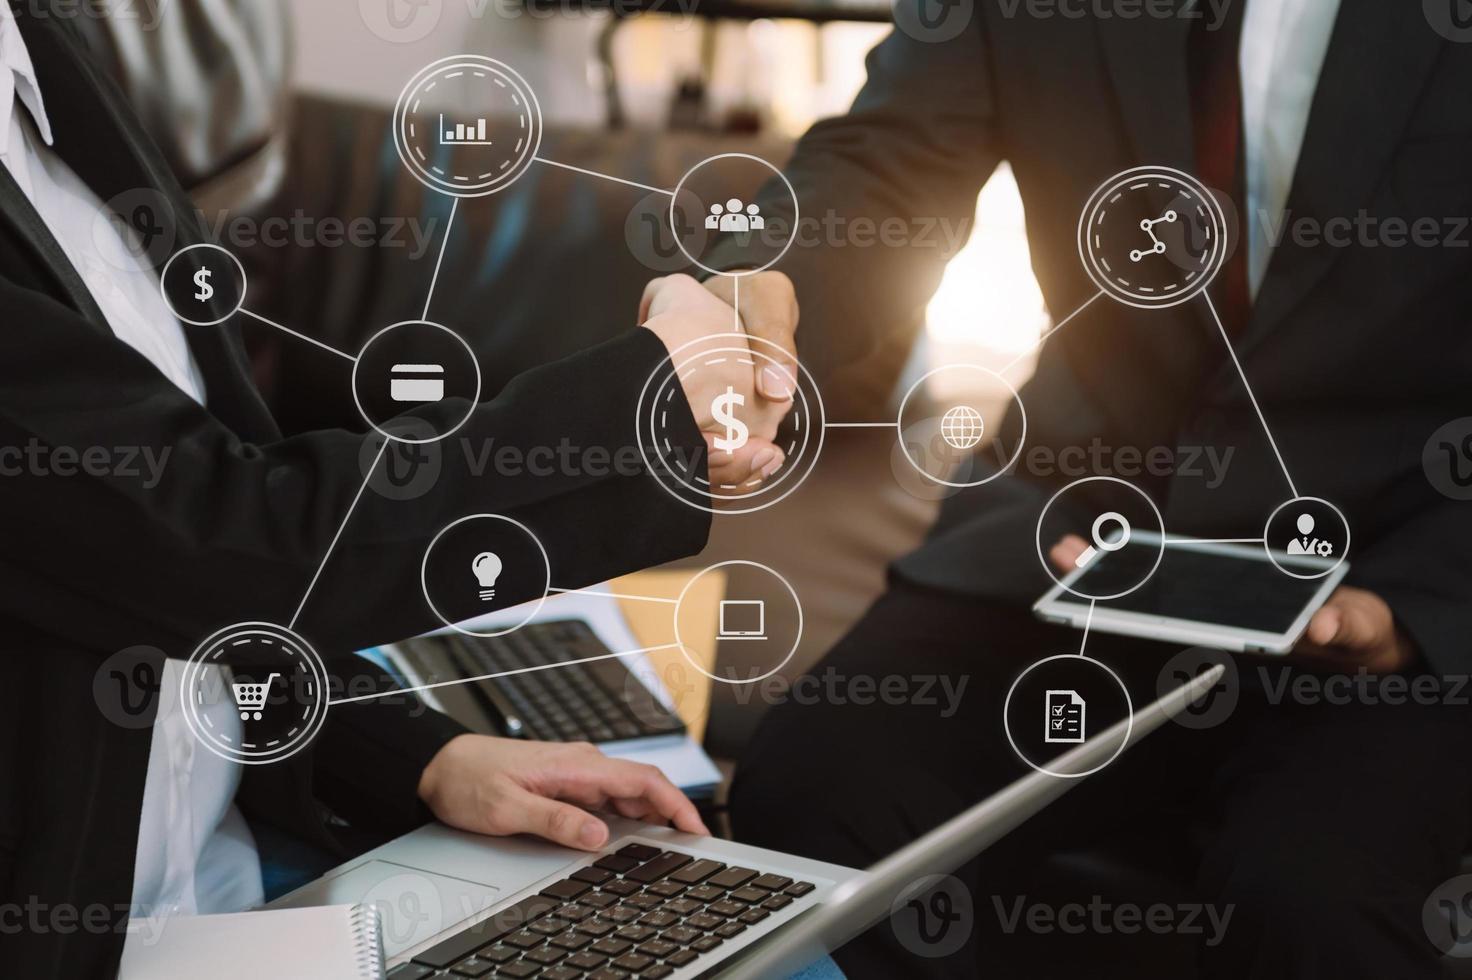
[{"x": 416, "y": 382}]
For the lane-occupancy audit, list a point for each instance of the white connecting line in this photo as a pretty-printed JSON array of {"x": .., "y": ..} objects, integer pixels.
[
  {"x": 1250, "y": 396},
  {"x": 299, "y": 336},
  {"x": 1048, "y": 333},
  {"x": 594, "y": 173},
  {"x": 454, "y": 206},
  {"x": 502, "y": 673},
  {"x": 333, "y": 544}
]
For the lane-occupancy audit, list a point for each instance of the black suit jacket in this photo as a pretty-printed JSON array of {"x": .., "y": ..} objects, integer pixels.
[
  {"x": 1357, "y": 353},
  {"x": 233, "y": 531}
]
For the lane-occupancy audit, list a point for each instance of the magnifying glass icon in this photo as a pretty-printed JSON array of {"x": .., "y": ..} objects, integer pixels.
[{"x": 1100, "y": 543}]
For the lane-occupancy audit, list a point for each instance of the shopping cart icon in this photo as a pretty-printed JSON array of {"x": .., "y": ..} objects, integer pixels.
[{"x": 251, "y": 698}]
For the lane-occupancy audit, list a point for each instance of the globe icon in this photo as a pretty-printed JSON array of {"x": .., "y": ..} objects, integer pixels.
[{"x": 961, "y": 427}]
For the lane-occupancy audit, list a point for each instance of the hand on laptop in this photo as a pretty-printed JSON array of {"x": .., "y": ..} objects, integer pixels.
[
  {"x": 680, "y": 312},
  {"x": 1353, "y": 629},
  {"x": 501, "y": 786}
]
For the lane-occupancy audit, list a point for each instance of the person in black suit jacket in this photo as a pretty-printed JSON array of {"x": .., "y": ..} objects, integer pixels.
[
  {"x": 233, "y": 529},
  {"x": 1325, "y": 826}
]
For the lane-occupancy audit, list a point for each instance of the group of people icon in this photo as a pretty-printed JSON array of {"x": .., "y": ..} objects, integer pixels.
[{"x": 729, "y": 217}]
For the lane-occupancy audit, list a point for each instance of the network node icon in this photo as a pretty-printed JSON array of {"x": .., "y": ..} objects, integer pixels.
[
  {"x": 962, "y": 428},
  {"x": 1152, "y": 237}
]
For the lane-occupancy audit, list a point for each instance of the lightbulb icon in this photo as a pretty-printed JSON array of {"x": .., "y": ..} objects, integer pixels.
[{"x": 487, "y": 567}]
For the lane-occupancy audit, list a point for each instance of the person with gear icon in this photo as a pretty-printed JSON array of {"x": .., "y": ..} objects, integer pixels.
[{"x": 1305, "y": 543}]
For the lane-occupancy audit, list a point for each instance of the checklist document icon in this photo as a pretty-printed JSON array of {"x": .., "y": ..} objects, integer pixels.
[{"x": 1065, "y": 717}]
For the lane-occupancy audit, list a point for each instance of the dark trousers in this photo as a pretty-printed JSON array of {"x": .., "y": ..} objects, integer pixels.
[{"x": 1320, "y": 824}]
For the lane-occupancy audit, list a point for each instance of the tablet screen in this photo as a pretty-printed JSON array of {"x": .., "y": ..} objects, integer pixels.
[{"x": 1208, "y": 587}]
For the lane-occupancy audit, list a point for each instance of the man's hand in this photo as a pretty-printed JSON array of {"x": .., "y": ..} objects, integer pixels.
[
  {"x": 769, "y": 312},
  {"x": 1353, "y": 629},
  {"x": 502, "y": 786},
  {"x": 680, "y": 312}
]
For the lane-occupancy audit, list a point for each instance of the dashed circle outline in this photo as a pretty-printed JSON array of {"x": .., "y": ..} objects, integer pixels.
[
  {"x": 288, "y": 637},
  {"x": 536, "y": 606},
  {"x": 163, "y": 278},
  {"x": 1343, "y": 553},
  {"x": 899, "y": 426},
  {"x": 469, "y": 411},
  {"x": 817, "y": 421},
  {"x": 1129, "y": 703},
  {"x": 737, "y": 273},
  {"x": 797, "y": 603},
  {"x": 1101, "y": 197},
  {"x": 1038, "y": 537},
  {"x": 514, "y": 170}
]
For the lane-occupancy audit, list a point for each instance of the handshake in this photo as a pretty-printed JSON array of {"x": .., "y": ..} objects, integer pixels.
[{"x": 681, "y": 312}]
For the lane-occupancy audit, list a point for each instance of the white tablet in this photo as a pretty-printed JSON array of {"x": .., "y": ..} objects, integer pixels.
[{"x": 1224, "y": 596}]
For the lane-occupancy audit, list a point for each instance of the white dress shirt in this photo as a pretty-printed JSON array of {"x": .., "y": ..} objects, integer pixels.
[
  {"x": 1280, "y": 58},
  {"x": 195, "y": 853}
]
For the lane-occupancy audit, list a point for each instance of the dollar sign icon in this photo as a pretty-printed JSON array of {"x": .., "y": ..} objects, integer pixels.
[
  {"x": 202, "y": 280},
  {"x": 736, "y": 431}
]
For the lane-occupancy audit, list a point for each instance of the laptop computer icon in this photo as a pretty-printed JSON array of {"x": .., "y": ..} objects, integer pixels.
[{"x": 743, "y": 619}]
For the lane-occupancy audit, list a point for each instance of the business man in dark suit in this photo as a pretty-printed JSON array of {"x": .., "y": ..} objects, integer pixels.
[
  {"x": 1325, "y": 827},
  {"x": 233, "y": 527}
]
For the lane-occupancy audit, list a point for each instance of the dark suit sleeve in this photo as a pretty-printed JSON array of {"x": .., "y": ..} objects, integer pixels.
[
  {"x": 914, "y": 151},
  {"x": 218, "y": 531}
]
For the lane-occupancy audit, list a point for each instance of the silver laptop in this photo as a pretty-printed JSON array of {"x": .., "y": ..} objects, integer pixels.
[{"x": 663, "y": 904}]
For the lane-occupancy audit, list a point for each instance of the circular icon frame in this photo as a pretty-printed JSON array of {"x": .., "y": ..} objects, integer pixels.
[
  {"x": 535, "y": 605},
  {"x": 1128, "y": 703},
  {"x": 1095, "y": 211},
  {"x": 733, "y": 273},
  {"x": 960, "y": 484},
  {"x": 470, "y": 408},
  {"x": 232, "y": 638},
  {"x": 1268, "y": 524},
  {"x": 745, "y": 563},
  {"x": 163, "y": 279},
  {"x": 484, "y": 183},
  {"x": 1043, "y": 555}
]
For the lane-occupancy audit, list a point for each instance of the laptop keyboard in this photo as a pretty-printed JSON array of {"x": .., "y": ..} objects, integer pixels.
[
  {"x": 638, "y": 913},
  {"x": 593, "y": 701}
]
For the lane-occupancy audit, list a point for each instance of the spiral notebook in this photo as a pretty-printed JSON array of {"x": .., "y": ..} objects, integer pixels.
[{"x": 331, "y": 942}]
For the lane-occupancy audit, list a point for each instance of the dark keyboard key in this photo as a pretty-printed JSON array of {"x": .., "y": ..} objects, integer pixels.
[
  {"x": 644, "y": 902},
  {"x": 706, "y": 943},
  {"x": 592, "y": 875},
  {"x": 697, "y": 871},
  {"x": 801, "y": 888},
  {"x": 657, "y": 972},
  {"x": 622, "y": 914},
  {"x": 499, "y": 954},
  {"x": 574, "y": 913},
  {"x": 733, "y": 877},
  {"x": 519, "y": 970},
  {"x": 409, "y": 971},
  {"x": 679, "y": 959},
  {"x": 749, "y": 895},
  {"x": 752, "y": 916},
  {"x": 548, "y": 955},
  {"x": 777, "y": 902},
  {"x": 560, "y": 973},
  {"x": 609, "y": 946},
  {"x": 659, "y": 919},
  {"x": 616, "y": 863},
  {"x": 549, "y": 925},
  {"x": 526, "y": 939},
  {"x": 682, "y": 906},
  {"x": 638, "y": 852},
  {"x": 567, "y": 889},
  {"x": 502, "y": 923},
  {"x": 473, "y": 967},
  {"x": 730, "y": 929},
  {"x": 621, "y": 887},
  {"x": 633, "y": 962},
  {"x": 683, "y": 935},
  {"x": 772, "y": 883},
  {"x": 725, "y": 909},
  {"x": 585, "y": 960},
  {"x": 635, "y": 934},
  {"x": 702, "y": 921},
  {"x": 571, "y": 941},
  {"x": 651, "y": 871},
  {"x": 666, "y": 888},
  {"x": 597, "y": 928},
  {"x": 598, "y": 900},
  {"x": 607, "y": 974},
  {"x": 705, "y": 893},
  {"x": 657, "y": 948}
]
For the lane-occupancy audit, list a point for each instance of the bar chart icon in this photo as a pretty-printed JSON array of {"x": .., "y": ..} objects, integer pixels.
[{"x": 463, "y": 134}]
